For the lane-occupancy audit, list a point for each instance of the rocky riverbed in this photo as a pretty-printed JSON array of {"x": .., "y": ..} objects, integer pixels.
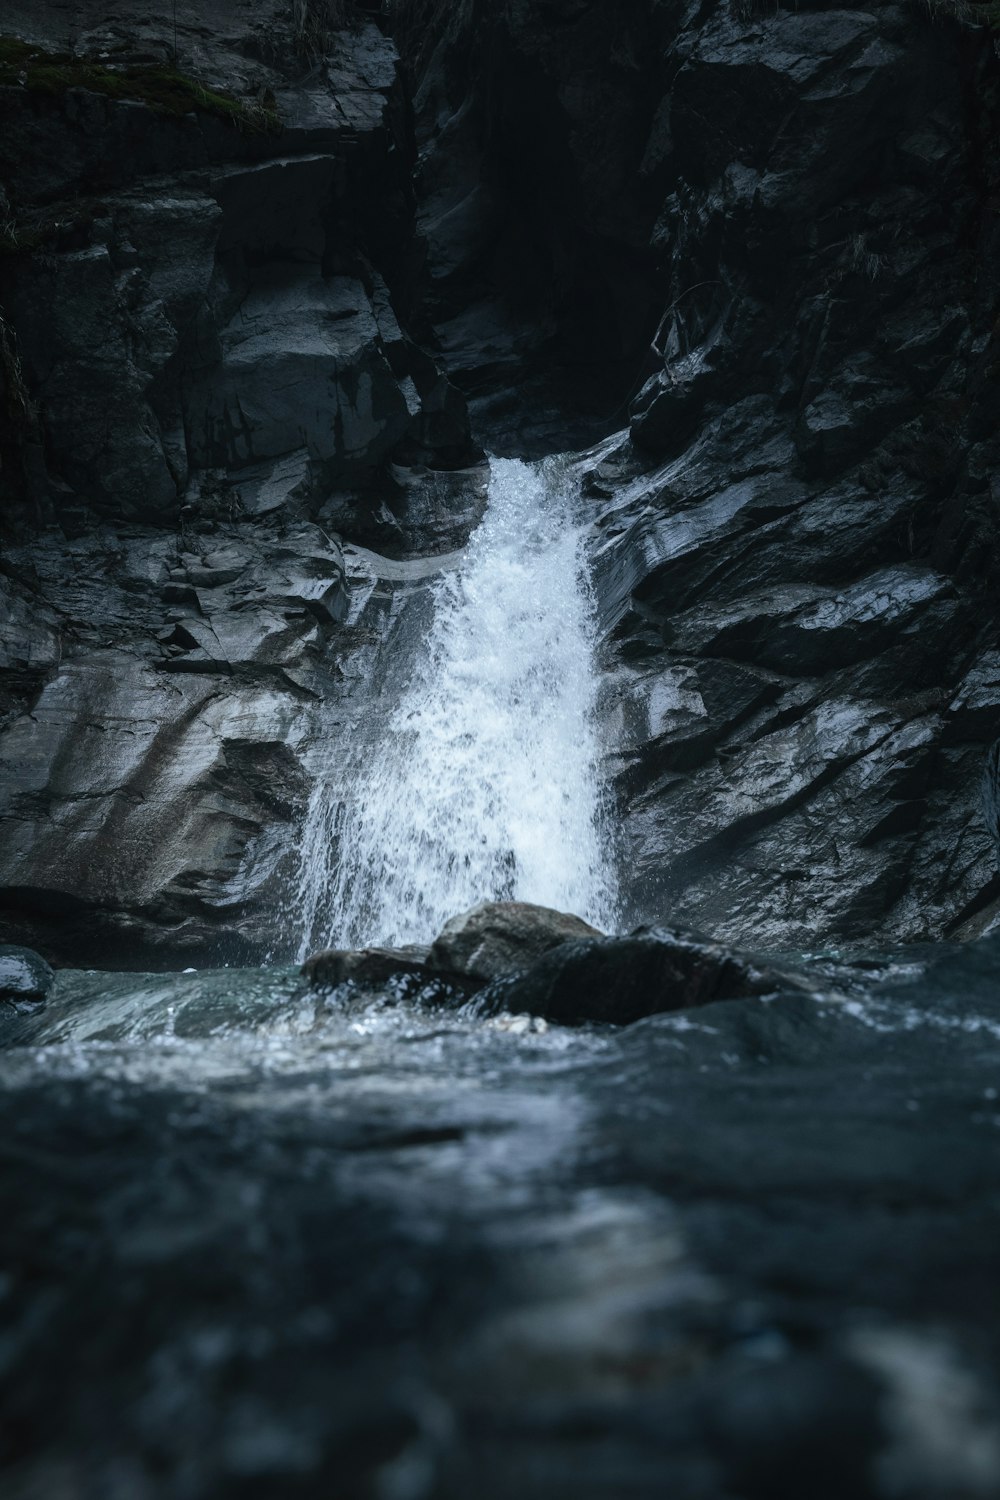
[{"x": 277, "y": 1240}]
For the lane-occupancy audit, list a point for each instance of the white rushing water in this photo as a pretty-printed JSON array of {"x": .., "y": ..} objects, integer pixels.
[{"x": 483, "y": 783}]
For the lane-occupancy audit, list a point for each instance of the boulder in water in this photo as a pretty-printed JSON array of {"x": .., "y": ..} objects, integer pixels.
[
  {"x": 622, "y": 979},
  {"x": 367, "y": 968},
  {"x": 500, "y": 938},
  {"x": 25, "y": 977}
]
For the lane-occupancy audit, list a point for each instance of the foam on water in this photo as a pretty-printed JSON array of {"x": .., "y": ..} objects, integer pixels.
[{"x": 483, "y": 783}]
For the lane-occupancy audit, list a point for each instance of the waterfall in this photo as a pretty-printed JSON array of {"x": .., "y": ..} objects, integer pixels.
[{"x": 482, "y": 781}]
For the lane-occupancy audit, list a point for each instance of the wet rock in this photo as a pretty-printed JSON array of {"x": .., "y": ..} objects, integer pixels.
[
  {"x": 533, "y": 222},
  {"x": 194, "y": 773},
  {"x": 832, "y": 431},
  {"x": 619, "y": 980},
  {"x": 812, "y": 630},
  {"x": 795, "y": 528},
  {"x": 416, "y": 511},
  {"x": 763, "y": 242},
  {"x": 207, "y": 322},
  {"x": 799, "y": 1411},
  {"x": 499, "y": 938},
  {"x": 366, "y": 968},
  {"x": 664, "y": 417},
  {"x": 991, "y": 795},
  {"x": 29, "y": 634},
  {"x": 174, "y": 715},
  {"x": 73, "y": 316},
  {"x": 974, "y": 712},
  {"x": 269, "y": 487},
  {"x": 301, "y": 360},
  {"x": 25, "y": 977},
  {"x": 229, "y": 318}
]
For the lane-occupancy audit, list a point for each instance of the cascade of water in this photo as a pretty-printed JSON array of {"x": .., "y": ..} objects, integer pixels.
[{"x": 483, "y": 783}]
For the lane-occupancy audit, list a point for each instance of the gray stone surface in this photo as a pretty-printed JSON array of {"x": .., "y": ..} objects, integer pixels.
[
  {"x": 499, "y": 938},
  {"x": 621, "y": 980},
  {"x": 796, "y": 548},
  {"x": 761, "y": 229},
  {"x": 199, "y": 266},
  {"x": 25, "y": 977},
  {"x": 153, "y": 786},
  {"x": 365, "y": 968},
  {"x": 210, "y": 352}
]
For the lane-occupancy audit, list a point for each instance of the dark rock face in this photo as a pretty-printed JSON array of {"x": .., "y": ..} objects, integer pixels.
[
  {"x": 541, "y": 134},
  {"x": 798, "y": 585},
  {"x": 212, "y": 381},
  {"x": 232, "y": 363},
  {"x": 153, "y": 787},
  {"x": 227, "y": 315},
  {"x": 499, "y": 938},
  {"x": 796, "y": 560}
]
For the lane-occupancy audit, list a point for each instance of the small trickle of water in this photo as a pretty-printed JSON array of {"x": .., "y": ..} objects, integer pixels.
[{"x": 483, "y": 783}]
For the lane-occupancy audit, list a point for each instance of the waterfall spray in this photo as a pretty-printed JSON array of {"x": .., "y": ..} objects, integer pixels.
[{"x": 483, "y": 783}]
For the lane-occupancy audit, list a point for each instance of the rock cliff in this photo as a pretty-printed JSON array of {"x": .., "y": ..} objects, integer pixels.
[
  {"x": 796, "y": 565},
  {"x": 743, "y": 259},
  {"x": 204, "y": 374}
]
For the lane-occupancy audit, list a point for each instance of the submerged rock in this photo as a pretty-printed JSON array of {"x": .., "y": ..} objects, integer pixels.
[
  {"x": 556, "y": 966},
  {"x": 623, "y": 979},
  {"x": 493, "y": 941},
  {"x": 25, "y": 977},
  {"x": 500, "y": 938},
  {"x": 368, "y": 968}
]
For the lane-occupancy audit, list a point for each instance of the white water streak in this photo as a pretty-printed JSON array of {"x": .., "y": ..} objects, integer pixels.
[{"x": 484, "y": 782}]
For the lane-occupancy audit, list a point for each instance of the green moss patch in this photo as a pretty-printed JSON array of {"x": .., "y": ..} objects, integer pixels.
[{"x": 162, "y": 88}]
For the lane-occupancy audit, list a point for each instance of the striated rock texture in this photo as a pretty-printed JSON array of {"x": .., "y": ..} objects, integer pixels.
[
  {"x": 796, "y": 564},
  {"x": 800, "y": 594},
  {"x": 203, "y": 379},
  {"x": 238, "y": 360}
]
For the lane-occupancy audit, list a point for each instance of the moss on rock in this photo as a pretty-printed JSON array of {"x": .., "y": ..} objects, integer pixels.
[{"x": 161, "y": 87}]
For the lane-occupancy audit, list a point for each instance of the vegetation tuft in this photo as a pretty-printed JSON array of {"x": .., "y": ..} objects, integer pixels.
[
  {"x": 316, "y": 24},
  {"x": 58, "y": 226},
  {"x": 984, "y": 13},
  {"x": 163, "y": 88},
  {"x": 17, "y": 406}
]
